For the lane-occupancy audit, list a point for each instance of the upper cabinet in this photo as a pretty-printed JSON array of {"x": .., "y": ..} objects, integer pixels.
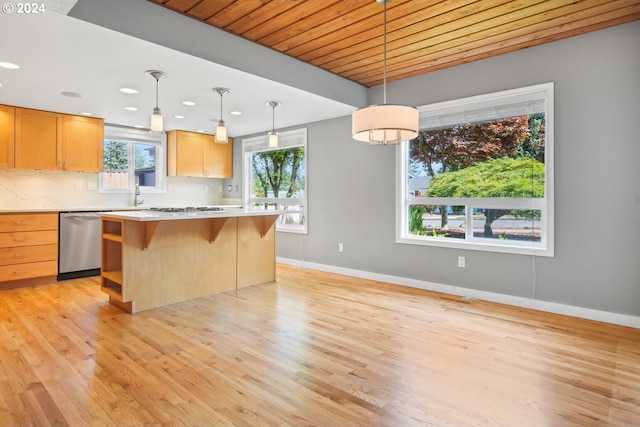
[
  {"x": 54, "y": 141},
  {"x": 7, "y": 136},
  {"x": 37, "y": 139},
  {"x": 82, "y": 143},
  {"x": 198, "y": 155},
  {"x": 219, "y": 158}
]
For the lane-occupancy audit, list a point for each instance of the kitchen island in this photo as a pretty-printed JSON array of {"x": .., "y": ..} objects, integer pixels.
[{"x": 154, "y": 258}]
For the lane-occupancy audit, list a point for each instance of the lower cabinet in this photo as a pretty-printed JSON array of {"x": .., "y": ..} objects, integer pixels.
[{"x": 28, "y": 248}]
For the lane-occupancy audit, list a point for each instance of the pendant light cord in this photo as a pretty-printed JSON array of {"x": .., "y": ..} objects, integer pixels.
[
  {"x": 156, "y": 92},
  {"x": 384, "y": 57},
  {"x": 220, "y": 107}
]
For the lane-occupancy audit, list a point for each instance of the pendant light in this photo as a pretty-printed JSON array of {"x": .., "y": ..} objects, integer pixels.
[
  {"x": 273, "y": 135},
  {"x": 221, "y": 129},
  {"x": 157, "y": 121},
  {"x": 386, "y": 123}
]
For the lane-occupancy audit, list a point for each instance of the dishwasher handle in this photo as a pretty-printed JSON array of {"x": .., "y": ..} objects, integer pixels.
[{"x": 81, "y": 215}]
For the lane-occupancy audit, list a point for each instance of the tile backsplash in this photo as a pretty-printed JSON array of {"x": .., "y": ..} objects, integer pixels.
[{"x": 35, "y": 189}]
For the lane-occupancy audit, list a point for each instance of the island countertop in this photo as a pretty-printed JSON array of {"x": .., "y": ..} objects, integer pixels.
[{"x": 153, "y": 215}]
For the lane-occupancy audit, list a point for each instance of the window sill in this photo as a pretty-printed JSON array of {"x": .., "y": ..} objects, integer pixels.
[{"x": 477, "y": 245}]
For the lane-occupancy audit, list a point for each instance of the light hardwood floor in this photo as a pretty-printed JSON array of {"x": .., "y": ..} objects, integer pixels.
[{"x": 311, "y": 349}]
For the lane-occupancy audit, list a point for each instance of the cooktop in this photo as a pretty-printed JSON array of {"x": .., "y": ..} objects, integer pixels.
[{"x": 187, "y": 209}]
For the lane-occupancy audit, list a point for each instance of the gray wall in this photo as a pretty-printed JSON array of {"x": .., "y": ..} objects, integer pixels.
[{"x": 597, "y": 181}]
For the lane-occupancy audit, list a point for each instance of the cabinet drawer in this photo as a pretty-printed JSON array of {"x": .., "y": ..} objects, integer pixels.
[
  {"x": 28, "y": 271},
  {"x": 28, "y": 222},
  {"x": 28, "y": 238},
  {"x": 26, "y": 254}
]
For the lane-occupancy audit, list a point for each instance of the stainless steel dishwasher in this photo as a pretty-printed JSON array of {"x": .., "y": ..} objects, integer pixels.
[{"x": 79, "y": 244}]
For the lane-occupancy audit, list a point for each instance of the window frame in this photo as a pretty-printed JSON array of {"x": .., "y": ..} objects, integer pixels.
[
  {"x": 431, "y": 112},
  {"x": 287, "y": 139},
  {"x": 133, "y": 136}
]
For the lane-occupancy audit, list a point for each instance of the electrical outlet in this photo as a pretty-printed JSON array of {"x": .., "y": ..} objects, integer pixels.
[
  {"x": 340, "y": 247},
  {"x": 461, "y": 262},
  {"x": 79, "y": 185}
]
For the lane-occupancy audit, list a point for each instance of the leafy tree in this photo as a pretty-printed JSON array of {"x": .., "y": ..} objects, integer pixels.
[
  {"x": 504, "y": 177},
  {"x": 115, "y": 156},
  {"x": 145, "y": 156},
  {"x": 534, "y": 145},
  {"x": 278, "y": 170},
  {"x": 461, "y": 146}
]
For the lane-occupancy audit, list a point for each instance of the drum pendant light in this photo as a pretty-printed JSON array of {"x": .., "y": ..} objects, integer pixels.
[
  {"x": 273, "y": 135},
  {"x": 221, "y": 129},
  {"x": 386, "y": 123},
  {"x": 157, "y": 120}
]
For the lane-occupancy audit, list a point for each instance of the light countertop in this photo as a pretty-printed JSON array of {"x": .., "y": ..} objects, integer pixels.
[
  {"x": 91, "y": 209},
  {"x": 149, "y": 215}
]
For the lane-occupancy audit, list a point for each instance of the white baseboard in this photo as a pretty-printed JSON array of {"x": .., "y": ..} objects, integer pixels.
[{"x": 550, "y": 307}]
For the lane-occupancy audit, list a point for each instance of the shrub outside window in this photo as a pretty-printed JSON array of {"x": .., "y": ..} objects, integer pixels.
[
  {"x": 275, "y": 178},
  {"x": 479, "y": 175}
]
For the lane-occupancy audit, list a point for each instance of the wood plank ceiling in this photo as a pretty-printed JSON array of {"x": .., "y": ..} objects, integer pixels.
[{"x": 345, "y": 37}]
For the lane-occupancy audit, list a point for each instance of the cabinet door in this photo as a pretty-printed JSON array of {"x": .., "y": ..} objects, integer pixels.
[
  {"x": 185, "y": 153},
  {"x": 82, "y": 143},
  {"x": 219, "y": 159},
  {"x": 37, "y": 136},
  {"x": 7, "y": 136}
]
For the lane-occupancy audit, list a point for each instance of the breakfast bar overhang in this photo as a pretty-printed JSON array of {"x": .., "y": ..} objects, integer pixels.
[{"x": 151, "y": 259}]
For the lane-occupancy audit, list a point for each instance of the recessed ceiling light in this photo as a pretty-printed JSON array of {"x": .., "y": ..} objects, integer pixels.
[
  {"x": 200, "y": 130},
  {"x": 9, "y": 66},
  {"x": 236, "y": 113},
  {"x": 71, "y": 94},
  {"x": 128, "y": 90},
  {"x": 179, "y": 117},
  {"x": 86, "y": 113},
  {"x": 139, "y": 126},
  {"x": 189, "y": 103},
  {"x": 131, "y": 108}
]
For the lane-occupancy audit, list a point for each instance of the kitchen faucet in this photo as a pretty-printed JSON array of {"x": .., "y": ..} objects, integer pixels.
[{"x": 137, "y": 200}]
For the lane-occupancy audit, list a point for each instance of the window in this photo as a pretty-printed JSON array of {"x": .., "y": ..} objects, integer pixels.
[
  {"x": 479, "y": 175},
  {"x": 130, "y": 156},
  {"x": 276, "y": 178}
]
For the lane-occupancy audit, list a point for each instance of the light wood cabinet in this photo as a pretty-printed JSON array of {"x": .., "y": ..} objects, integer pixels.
[
  {"x": 198, "y": 155},
  {"x": 112, "y": 262},
  {"x": 155, "y": 262},
  {"x": 54, "y": 141},
  {"x": 37, "y": 136},
  {"x": 185, "y": 153},
  {"x": 7, "y": 136},
  {"x": 28, "y": 248},
  {"x": 219, "y": 159},
  {"x": 82, "y": 143}
]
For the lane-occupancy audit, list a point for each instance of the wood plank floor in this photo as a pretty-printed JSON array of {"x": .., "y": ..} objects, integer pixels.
[{"x": 311, "y": 349}]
